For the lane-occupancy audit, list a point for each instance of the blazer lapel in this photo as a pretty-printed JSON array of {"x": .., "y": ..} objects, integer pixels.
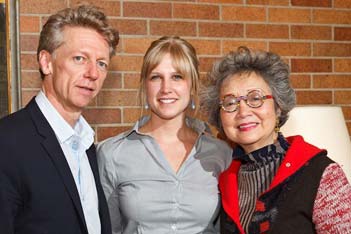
[
  {"x": 91, "y": 153},
  {"x": 54, "y": 151},
  {"x": 103, "y": 208}
]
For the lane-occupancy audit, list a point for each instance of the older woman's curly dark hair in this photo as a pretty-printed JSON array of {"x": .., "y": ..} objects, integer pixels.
[{"x": 269, "y": 66}]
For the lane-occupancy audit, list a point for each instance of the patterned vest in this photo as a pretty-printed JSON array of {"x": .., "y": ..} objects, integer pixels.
[{"x": 288, "y": 207}]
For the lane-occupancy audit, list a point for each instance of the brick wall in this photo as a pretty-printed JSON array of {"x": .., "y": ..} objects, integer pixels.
[
  {"x": 314, "y": 36},
  {"x": 3, "y": 63}
]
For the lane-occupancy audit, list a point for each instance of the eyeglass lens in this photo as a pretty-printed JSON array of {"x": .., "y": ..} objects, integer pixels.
[{"x": 253, "y": 99}]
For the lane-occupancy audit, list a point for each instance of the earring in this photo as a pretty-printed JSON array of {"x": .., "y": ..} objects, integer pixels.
[
  {"x": 146, "y": 106},
  {"x": 277, "y": 128},
  {"x": 192, "y": 104}
]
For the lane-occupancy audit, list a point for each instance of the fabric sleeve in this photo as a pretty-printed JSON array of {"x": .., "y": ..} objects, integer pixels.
[
  {"x": 332, "y": 207},
  {"x": 109, "y": 182}
]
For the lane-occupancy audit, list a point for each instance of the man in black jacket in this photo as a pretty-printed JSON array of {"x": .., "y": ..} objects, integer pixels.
[{"x": 49, "y": 180}]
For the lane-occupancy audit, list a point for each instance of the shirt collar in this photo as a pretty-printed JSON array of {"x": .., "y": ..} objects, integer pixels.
[
  {"x": 61, "y": 128},
  {"x": 197, "y": 125}
]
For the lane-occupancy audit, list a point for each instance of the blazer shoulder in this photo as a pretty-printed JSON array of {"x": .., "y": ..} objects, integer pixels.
[
  {"x": 21, "y": 118},
  {"x": 17, "y": 120}
]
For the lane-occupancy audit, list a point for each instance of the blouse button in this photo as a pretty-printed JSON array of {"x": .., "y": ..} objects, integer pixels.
[
  {"x": 288, "y": 164},
  {"x": 175, "y": 205}
]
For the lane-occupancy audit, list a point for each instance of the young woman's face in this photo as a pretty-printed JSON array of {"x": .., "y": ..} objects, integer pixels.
[
  {"x": 251, "y": 128},
  {"x": 168, "y": 92}
]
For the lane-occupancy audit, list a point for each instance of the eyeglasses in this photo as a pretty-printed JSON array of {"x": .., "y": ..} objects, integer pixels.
[{"x": 253, "y": 99}]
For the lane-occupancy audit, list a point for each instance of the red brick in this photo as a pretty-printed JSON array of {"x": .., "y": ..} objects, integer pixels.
[
  {"x": 288, "y": 15},
  {"x": 29, "y": 62},
  {"x": 30, "y": 79},
  {"x": 93, "y": 102},
  {"x": 131, "y": 115},
  {"x": 29, "y": 42},
  {"x": 129, "y": 26},
  {"x": 269, "y": 2},
  {"x": 110, "y": 8},
  {"x": 332, "y": 81},
  {"x": 126, "y": 63},
  {"x": 312, "y": 3},
  {"x": 195, "y": 11},
  {"x": 238, "y": 13},
  {"x": 221, "y": 1},
  {"x": 348, "y": 124},
  {"x": 267, "y": 31},
  {"x": 346, "y": 110},
  {"x": 221, "y": 30},
  {"x": 43, "y": 20},
  {"x": 311, "y": 32},
  {"x": 311, "y": 65},
  {"x": 117, "y": 98},
  {"x": 314, "y": 97},
  {"x": 102, "y": 116},
  {"x": 205, "y": 82},
  {"x": 27, "y": 95},
  {"x": 342, "y": 34},
  {"x": 290, "y": 48},
  {"x": 332, "y": 49},
  {"x": 173, "y": 28},
  {"x": 206, "y": 63},
  {"x": 342, "y": 65},
  {"x": 342, "y": 3},
  {"x": 300, "y": 81},
  {"x": 331, "y": 16},
  {"x": 131, "y": 80},
  {"x": 230, "y": 45},
  {"x": 136, "y": 45},
  {"x": 147, "y": 9},
  {"x": 112, "y": 81},
  {"x": 103, "y": 133},
  {"x": 342, "y": 97},
  {"x": 42, "y": 6},
  {"x": 29, "y": 24},
  {"x": 206, "y": 47}
]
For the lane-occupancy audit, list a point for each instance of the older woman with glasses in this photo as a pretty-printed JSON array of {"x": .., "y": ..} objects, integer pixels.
[{"x": 274, "y": 184}]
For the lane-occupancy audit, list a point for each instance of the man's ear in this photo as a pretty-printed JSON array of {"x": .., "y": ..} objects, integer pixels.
[{"x": 45, "y": 62}]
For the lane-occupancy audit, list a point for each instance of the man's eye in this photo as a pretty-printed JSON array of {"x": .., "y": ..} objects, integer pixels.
[
  {"x": 79, "y": 59},
  {"x": 102, "y": 65}
]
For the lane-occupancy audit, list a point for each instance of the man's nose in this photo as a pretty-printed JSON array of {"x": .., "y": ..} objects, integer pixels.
[{"x": 92, "y": 70}]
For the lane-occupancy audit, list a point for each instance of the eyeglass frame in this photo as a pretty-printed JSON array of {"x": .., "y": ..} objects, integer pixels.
[{"x": 238, "y": 99}]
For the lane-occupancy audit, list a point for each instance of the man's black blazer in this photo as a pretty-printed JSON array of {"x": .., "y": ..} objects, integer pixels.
[{"x": 38, "y": 194}]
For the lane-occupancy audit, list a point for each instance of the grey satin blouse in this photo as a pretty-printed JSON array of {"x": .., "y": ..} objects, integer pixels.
[{"x": 146, "y": 196}]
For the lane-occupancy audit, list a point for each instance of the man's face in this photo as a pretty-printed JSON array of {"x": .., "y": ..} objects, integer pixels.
[{"x": 75, "y": 72}]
